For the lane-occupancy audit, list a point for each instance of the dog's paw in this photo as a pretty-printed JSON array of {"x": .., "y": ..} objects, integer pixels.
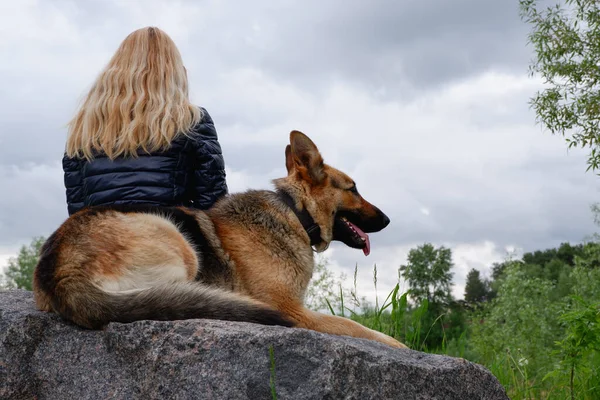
[
  {"x": 397, "y": 344},
  {"x": 390, "y": 341}
]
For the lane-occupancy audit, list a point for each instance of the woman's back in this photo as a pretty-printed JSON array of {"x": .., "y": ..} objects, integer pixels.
[
  {"x": 191, "y": 172},
  {"x": 137, "y": 139}
]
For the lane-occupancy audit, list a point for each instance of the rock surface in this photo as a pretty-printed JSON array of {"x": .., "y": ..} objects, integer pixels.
[{"x": 43, "y": 357}]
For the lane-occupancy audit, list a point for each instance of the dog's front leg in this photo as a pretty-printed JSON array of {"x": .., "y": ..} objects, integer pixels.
[{"x": 335, "y": 325}]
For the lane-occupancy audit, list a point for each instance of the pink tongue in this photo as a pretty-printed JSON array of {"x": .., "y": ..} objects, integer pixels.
[{"x": 367, "y": 248}]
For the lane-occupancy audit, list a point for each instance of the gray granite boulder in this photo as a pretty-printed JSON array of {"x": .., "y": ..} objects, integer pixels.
[{"x": 43, "y": 357}]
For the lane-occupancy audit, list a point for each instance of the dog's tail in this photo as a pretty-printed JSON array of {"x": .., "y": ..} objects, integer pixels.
[{"x": 87, "y": 305}]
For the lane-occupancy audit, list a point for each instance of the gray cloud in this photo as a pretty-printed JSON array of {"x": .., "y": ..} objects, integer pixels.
[{"x": 399, "y": 45}]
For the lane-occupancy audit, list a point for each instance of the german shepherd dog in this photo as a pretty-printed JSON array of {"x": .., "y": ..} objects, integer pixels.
[{"x": 248, "y": 258}]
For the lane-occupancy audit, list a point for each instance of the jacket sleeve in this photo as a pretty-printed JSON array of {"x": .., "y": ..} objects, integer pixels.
[
  {"x": 208, "y": 176},
  {"x": 73, "y": 179}
]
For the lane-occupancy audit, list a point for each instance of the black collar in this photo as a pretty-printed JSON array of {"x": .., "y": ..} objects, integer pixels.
[{"x": 310, "y": 226}]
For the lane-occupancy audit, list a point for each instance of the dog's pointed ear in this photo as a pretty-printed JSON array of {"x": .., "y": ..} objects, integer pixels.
[
  {"x": 289, "y": 161},
  {"x": 305, "y": 158}
]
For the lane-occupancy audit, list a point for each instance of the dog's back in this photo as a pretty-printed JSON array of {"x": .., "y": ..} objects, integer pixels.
[{"x": 130, "y": 263}]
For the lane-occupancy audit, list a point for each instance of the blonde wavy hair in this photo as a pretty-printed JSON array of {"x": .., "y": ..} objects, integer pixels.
[{"x": 139, "y": 101}]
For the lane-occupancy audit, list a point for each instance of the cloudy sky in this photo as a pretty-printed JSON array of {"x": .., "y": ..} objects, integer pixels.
[{"x": 424, "y": 103}]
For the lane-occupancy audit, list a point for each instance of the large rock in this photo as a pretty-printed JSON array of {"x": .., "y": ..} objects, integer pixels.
[{"x": 43, "y": 357}]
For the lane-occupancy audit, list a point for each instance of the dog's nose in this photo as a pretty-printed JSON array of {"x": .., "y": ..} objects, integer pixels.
[{"x": 386, "y": 220}]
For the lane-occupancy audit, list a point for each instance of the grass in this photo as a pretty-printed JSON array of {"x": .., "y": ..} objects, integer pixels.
[
  {"x": 409, "y": 324},
  {"x": 272, "y": 378},
  {"x": 452, "y": 330}
]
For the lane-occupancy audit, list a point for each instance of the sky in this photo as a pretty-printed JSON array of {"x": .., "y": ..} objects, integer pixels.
[{"x": 423, "y": 103}]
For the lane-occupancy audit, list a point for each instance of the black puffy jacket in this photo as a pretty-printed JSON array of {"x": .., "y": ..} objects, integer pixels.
[{"x": 191, "y": 173}]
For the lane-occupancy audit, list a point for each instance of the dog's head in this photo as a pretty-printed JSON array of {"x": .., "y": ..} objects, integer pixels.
[{"x": 330, "y": 196}]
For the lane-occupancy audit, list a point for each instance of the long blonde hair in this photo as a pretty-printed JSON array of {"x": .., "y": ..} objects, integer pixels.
[{"x": 139, "y": 101}]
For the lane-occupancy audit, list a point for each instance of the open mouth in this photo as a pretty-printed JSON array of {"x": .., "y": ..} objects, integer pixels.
[{"x": 353, "y": 235}]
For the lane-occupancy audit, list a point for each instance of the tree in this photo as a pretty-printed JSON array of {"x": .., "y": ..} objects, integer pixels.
[
  {"x": 522, "y": 322},
  {"x": 539, "y": 257},
  {"x": 475, "y": 288},
  {"x": 565, "y": 40},
  {"x": 324, "y": 288},
  {"x": 19, "y": 273},
  {"x": 565, "y": 253},
  {"x": 553, "y": 268},
  {"x": 595, "y": 208},
  {"x": 428, "y": 273}
]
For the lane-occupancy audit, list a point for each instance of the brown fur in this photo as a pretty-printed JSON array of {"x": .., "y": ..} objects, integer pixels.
[{"x": 248, "y": 258}]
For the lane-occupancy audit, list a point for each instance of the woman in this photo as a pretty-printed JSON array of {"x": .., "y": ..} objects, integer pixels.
[{"x": 137, "y": 139}]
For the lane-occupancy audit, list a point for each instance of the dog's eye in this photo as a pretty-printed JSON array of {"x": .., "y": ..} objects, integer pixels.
[{"x": 353, "y": 189}]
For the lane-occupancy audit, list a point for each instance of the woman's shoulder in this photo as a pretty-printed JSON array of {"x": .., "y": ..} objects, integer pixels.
[
  {"x": 205, "y": 127},
  {"x": 71, "y": 163}
]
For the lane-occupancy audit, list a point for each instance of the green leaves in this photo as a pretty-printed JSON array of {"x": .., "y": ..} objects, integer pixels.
[
  {"x": 322, "y": 293},
  {"x": 541, "y": 335},
  {"x": 19, "y": 273},
  {"x": 399, "y": 307},
  {"x": 579, "y": 349},
  {"x": 475, "y": 289},
  {"x": 566, "y": 43},
  {"x": 428, "y": 273}
]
